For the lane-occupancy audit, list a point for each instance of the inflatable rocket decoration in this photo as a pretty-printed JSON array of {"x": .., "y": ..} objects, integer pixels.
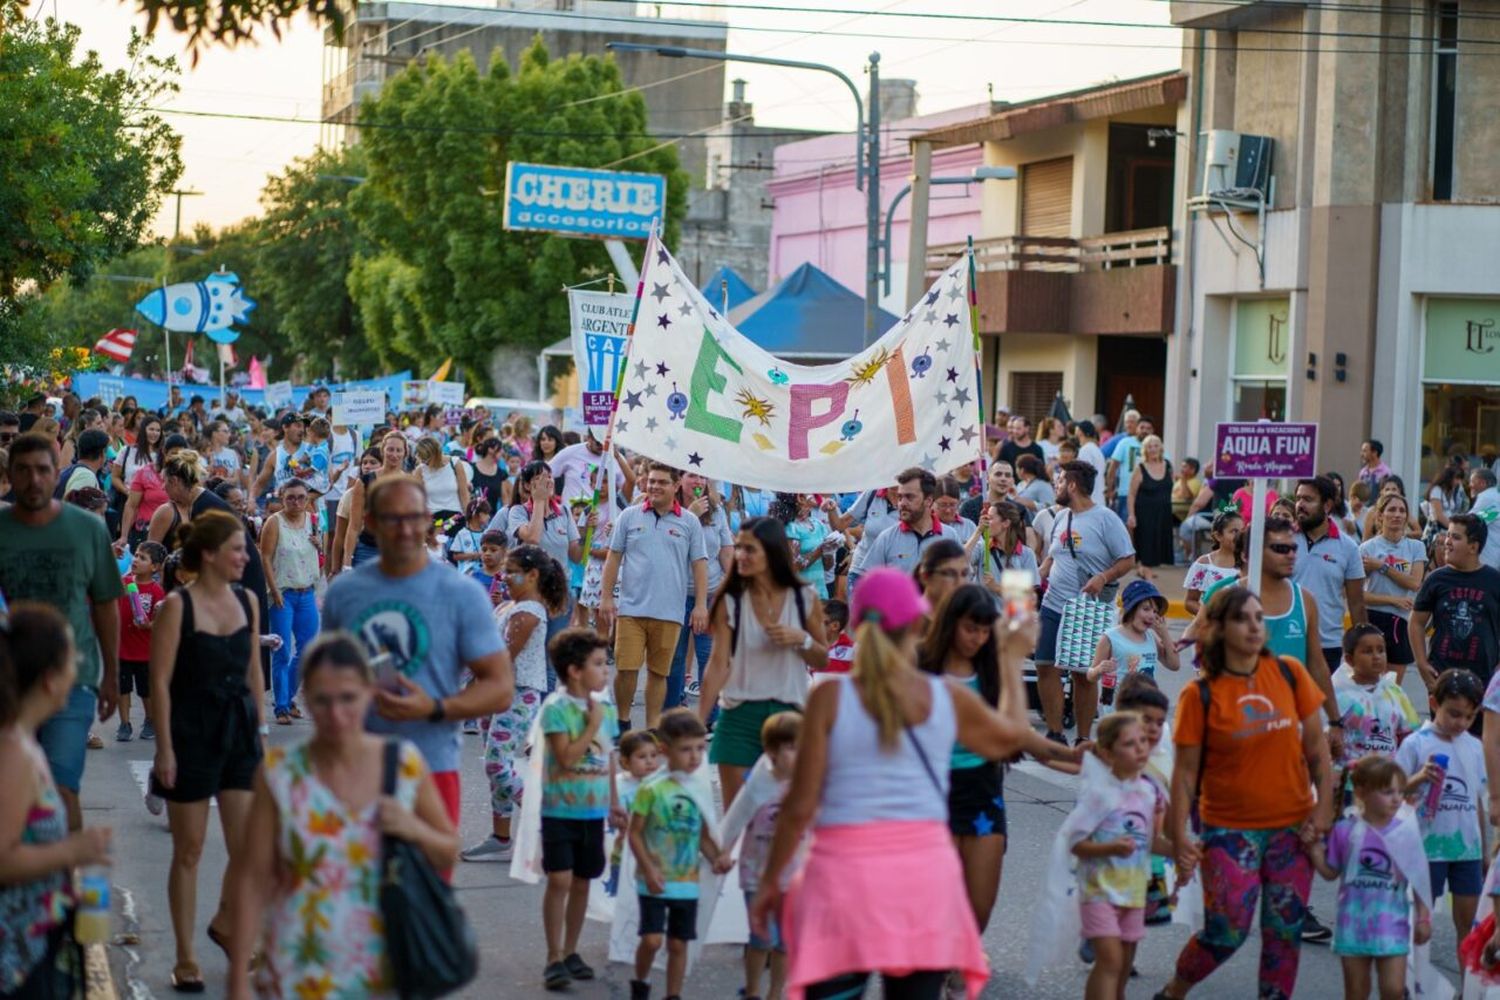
[{"x": 209, "y": 306}]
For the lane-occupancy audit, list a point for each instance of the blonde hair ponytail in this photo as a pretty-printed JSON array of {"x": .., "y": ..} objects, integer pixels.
[{"x": 877, "y": 662}]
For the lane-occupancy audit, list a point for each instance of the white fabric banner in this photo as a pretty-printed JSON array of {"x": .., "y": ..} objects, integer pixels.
[
  {"x": 600, "y": 321},
  {"x": 701, "y": 396}
]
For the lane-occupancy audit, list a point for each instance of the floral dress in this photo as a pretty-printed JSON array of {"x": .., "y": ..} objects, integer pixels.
[
  {"x": 31, "y": 911},
  {"x": 325, "y": 939}
]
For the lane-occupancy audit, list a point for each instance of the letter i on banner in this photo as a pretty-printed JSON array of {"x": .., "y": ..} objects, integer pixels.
[{"x": 614, "y": 406}]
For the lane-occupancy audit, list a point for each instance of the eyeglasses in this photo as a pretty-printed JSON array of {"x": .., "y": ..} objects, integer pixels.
[
  {"x": 952, "y": 574},
  {"x": 1282, "y": 548}
]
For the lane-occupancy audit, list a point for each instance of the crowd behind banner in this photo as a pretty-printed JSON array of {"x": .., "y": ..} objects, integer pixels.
[{"x": 381, "y": 593}]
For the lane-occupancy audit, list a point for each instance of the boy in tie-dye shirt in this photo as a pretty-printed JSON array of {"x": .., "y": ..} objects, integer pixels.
[{"x": 1376, "y": 713}]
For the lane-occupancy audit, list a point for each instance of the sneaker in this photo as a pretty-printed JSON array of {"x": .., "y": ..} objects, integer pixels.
[
  {"x": 148, "y": 731},
  {"x": 556, "y": 976},
  {"x": 1314, "y": 931},
  {"x": 640, "y": 990},
  {"x": 471, "y": 727},
  {"x": 1057, "y": 737},
  {"x": 1086, "y": 952},
  {"x": 124, "y": 733},
  {"x": 491, "y": 848},
  {"x": 693, "y": 689},
  {"x": 577, "y": 967},
  {"x": 95, "y": 741},
  {"x": 154, "y": 804}
]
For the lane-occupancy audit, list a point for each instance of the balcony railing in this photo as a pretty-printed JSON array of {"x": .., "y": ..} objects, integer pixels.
[{"x": 1139, "y": 247}]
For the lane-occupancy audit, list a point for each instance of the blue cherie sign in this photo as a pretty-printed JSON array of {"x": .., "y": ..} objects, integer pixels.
[{"x": 576, "y": 201}]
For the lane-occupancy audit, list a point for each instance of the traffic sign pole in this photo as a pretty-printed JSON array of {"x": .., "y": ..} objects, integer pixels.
[{"x": 1257, "y": 533}]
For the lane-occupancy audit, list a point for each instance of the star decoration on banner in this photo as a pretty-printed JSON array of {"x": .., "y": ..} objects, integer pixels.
[
  {"x": 969, "y": 434},
  {"x": 651, "y": 424},
  {"x": 945, "y": 443},
  {"x": 961, "y": 396},
  {"x": 659, "y": 292},
  {"x": 932, "y": 296},
  {"x": 712, "y": 313},
  {"x": 621, "y": 425},
  {"x": 650, "y": 390},
  {"x": 948, "y": 418},
  {"x": 955, "y": 293},
  {"x": 695, "y": 459},
  {"x": 640, "y": 369},
  {"x": 686, "y": 309},
  {"x": 943, "y": 344},
  {"x": 942, "y": 397},
  {"x": 662, "y": 321},
  {"x": 952, "y": 320},
  {"x": 930, "y": 316},
  {"x": 662, "y": 256},
  {"x": 928, "y": 462},
  {"x": 633, "y": 400},
  {"x": 671, "y": 443},
  {"x": 952, "y": 374},
  {"x": 661, "y": 368}
]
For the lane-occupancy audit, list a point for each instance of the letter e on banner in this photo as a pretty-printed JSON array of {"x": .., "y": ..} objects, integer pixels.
[
  {"x": 802, "y": 420},
  {"x": 707, "y": 381}
]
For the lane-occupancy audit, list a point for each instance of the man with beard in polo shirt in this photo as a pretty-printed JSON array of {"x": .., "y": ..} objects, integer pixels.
[{"x": 902, "y": 544}]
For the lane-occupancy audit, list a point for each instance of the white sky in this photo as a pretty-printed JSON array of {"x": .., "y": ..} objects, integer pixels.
[{"x": 953, "y": 62}]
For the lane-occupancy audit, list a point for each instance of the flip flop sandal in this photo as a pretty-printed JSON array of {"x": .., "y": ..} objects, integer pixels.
[{"x": 186, "y": 978}]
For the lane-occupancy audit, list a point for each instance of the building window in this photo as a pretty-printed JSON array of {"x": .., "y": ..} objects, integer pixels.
[
  {"x": 1262, "y": 348},
  {"x": 1032, "y": 393},
  {"x": 1444, "y": 101},
  {"x": 1460, "y": 381}
]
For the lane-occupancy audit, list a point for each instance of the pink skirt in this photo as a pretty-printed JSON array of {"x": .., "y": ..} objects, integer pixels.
[{"x": 881, "y": 897}]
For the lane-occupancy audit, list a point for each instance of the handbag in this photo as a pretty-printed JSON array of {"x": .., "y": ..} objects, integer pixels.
[
  {"x": 1084, "y": 620},
  {"x": 428, "y": 939}
]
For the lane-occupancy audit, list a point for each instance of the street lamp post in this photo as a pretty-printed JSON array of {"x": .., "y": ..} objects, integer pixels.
[
  {"x": 866, "y": 155},
  {"x": 979, "y": 174}
]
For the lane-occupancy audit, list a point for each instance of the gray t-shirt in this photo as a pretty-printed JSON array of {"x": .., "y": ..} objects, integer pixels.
[
  {"x": 875, "y": 514},
  {"x": 1486, "y": 505},
  {"x": 558, "y": 530},
  {"x": 1321, "y": 570},
  {"x": 1400, "y": 556},
  {"x": 1038, "y": 491},
  {"x": 656, "y": 564},
  {"x": 432, "y": 623},
  {"x": 1099, "y": 540},
  {"x": 716, "y": 535},
  {"x": 900, "y": 547}
]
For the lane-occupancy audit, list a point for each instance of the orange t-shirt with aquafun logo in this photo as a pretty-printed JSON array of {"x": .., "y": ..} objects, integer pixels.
[{"x": 1255, "y": 776}]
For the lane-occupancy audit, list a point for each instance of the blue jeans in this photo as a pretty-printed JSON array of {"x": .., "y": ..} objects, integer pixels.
[
  {"x": 296, "y": 619},
  {"x": 65, "y": 737},
  {"x": 702, "y": 646}
]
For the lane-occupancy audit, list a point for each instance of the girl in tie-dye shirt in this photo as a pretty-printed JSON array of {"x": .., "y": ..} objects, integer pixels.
[{"x": 1376, "y": 713}]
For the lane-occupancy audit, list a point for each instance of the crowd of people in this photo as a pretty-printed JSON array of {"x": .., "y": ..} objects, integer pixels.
[{"x": 858, "y": 669}]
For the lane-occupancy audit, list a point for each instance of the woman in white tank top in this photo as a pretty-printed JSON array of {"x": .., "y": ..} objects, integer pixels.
[{"x": 872, "y": 770}]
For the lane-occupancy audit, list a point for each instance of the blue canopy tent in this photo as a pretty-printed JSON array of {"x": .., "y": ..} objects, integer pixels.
[
  {"x": 809, "y": 316},
  {"x": 739, "y": 289}
]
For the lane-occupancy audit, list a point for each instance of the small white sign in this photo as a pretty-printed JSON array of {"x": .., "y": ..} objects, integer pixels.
[
  {"x": 278, "y": 394},
  {"x": 359, "y": 408},
  {"x": 447, "y": 393},
  {"x": 413, "y": 394}
]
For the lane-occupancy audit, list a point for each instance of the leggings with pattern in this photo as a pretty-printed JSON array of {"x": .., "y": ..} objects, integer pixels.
[
  {"x": 504, "y": 743},
  {"x": 1240, "y": 867}
]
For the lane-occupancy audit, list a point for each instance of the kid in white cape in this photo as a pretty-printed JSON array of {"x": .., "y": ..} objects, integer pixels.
[
  {"x": 1377, "y": 856},
  {"x": 1376, "y": 713},
  {"x": 640, "y": 757}
]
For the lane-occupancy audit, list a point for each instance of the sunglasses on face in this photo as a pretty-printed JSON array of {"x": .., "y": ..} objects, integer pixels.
[{"x": 1282, "y": 548}]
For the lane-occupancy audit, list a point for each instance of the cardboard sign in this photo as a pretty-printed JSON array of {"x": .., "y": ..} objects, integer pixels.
[
  {"x": 413, "y": 395},
  {"x": 600, "y": 321},
  {"x": 447, "y": 393},
  {"x": 364, "y": 408},
  {"x": 454, "y": 416},
  {"x": 278, "y": 394},
  {"x": 1266, "y": 450}
]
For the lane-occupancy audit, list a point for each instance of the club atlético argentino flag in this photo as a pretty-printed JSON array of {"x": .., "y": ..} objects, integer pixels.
[{"x": 117, "y": 344}]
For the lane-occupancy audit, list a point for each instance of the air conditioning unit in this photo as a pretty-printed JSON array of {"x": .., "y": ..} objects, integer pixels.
[{"x": 1235, "y": 165}]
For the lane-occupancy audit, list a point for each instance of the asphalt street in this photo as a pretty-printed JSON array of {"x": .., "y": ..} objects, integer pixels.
[{"x": 507, "y": 917}]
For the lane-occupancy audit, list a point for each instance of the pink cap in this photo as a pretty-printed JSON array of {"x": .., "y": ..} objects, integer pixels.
[{"x": 889, "y": 598}]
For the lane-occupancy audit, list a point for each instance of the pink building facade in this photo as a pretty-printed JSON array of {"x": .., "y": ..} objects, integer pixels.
[{"x": 819, "y": 214}]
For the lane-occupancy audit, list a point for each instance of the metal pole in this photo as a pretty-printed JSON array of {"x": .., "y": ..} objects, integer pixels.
[
  {"x": 872, "y": 202},
  {"x": 916, "y": 238},
  {"x": 1257, "y": 543},
  {"x": 166, "y": 338}
]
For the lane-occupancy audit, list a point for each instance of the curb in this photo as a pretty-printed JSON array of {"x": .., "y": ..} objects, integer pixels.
[{"x": 99, "y": 982}]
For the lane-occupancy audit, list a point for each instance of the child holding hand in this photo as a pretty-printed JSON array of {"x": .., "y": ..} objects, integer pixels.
[
  {"x": 1376, "y": 857},
  {"x": 1140, "y": 642},
  {"x": 640, "y": 756}
]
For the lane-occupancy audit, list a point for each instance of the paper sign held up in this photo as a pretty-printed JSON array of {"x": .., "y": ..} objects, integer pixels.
[
  {"x": 447, "y": 393},
  {"x": 359, "y": 409}
]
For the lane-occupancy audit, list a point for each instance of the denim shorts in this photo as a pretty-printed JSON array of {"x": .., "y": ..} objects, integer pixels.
[
  {"x": 1462, "y": 878},
  {"x": 1046, "y": 643},
  {"x": 772, "y": 941},
  {"x": 65, "y": 738}
]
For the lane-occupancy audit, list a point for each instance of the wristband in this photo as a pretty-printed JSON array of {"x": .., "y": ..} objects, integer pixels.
[{"x": 439, "y": 714}]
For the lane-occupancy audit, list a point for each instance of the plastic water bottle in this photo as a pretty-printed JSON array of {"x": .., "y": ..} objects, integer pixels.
[
  {"x": 91, "y": 921},
  {"x": 1434, "y": 796},
  {"x": 137, "y": 610}
]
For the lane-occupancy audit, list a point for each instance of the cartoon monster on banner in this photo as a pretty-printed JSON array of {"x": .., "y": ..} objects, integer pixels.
[{"x": 699, "y": 395}]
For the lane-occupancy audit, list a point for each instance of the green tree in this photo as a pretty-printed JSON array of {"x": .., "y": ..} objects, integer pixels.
[
  {"x": 83, "y": 162},
  {"x": 440, "y": 275},
  {"x": 307, "y": 241}
]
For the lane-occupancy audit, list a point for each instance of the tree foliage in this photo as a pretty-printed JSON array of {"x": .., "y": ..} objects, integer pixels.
[
  {"x": 439, "y": 276},
  {"x": 232, "y": 21},
  {"x": 307, "y": 241},
  {"x": 83, "y": 162}
]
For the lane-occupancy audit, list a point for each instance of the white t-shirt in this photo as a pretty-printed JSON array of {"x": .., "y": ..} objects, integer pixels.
[
  {"x": 531, "y": 661},
  {"x": 1453, "y": 835},
  {"x": 1089, "y": 452}
]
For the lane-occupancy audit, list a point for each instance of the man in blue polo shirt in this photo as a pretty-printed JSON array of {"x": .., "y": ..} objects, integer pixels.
[
  {"x": 1329, "y": 566},
  {"x": 657, "y": 546},
  {"x": 902, "y": 544}
]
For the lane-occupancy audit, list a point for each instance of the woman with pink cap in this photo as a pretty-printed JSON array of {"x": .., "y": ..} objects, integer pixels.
[{"x": 872, "y": 774}]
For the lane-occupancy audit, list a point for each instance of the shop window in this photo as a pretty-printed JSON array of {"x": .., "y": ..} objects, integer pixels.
[{"x": 1262, "y": 348}]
